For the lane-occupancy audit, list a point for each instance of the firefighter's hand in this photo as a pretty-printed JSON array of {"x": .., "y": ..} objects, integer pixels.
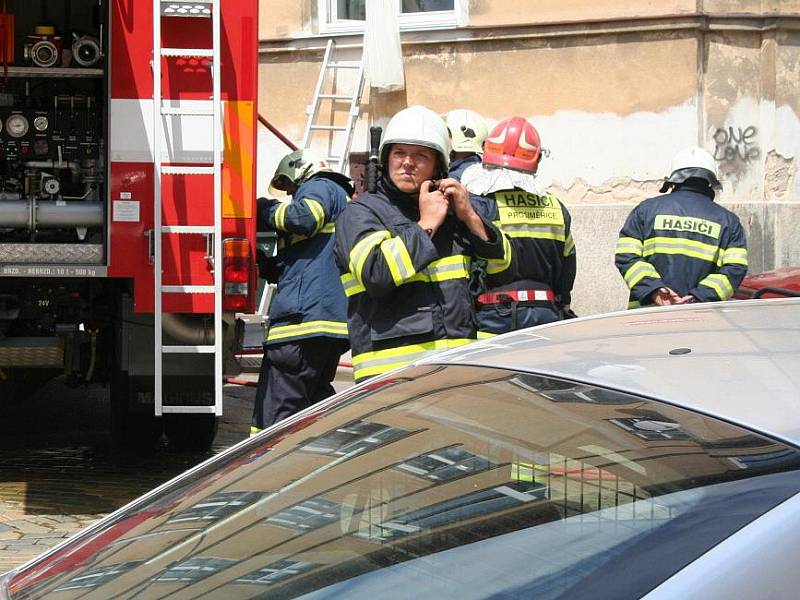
[
  {"x": 458, "y": 197},
  {"x": 263, "y": 206},
  {"x": 665, "y": 296},
  {"x": 432, "y": 208},
  {"x": 267, "y": 202}
]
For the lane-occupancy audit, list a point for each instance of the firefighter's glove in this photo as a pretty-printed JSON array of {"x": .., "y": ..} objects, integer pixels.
[
  {"x": 263, "y": 206},
  {"x": 266, "y": 203}
]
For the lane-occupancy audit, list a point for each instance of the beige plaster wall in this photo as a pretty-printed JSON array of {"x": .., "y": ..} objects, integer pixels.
[
  {"x": 484, "y": 13},
  {"x": 287, "y": 18},
  {"x": 618, "y": 73},
  {"x": 284, "y": 18},
  {"x": 787, "y": 68},
  {"x": 288, "y": 86},
  {"x": 613, "y": 104},
  {"x": 762, "y": 7},
  {"x": 782, "y": 182},
  {"x": 735, "y": 87}
]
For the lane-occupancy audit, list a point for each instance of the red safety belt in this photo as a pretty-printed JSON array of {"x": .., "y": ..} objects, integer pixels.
[{"x": 517, "y": 296}]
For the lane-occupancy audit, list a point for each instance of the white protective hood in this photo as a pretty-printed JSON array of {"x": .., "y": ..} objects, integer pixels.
[{"x": 482, "y": 180}]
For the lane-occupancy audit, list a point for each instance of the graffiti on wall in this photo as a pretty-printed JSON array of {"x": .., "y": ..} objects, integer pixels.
[{"x": 736, "y": 145}]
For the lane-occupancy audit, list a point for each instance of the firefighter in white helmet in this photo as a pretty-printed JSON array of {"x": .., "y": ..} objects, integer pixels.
[
  {"x": 537, "y": 287},
  {"x": 683, "y": 247},
  {"x": 467, "y": 132},
  {"x": 307, "y": 331},
  {"x": 404, "y": 251}
]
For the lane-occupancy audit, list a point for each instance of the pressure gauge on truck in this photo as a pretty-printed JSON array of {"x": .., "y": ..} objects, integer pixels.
[
  {"x": 17, "y": 125},
  {"x": 40, "y": 123}
]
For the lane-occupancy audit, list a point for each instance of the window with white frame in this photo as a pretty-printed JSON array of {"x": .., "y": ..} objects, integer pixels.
[{"x": 349, "y": 15}]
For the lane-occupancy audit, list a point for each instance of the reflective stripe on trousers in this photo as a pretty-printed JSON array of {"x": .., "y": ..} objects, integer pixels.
[{"x": 368, "y": 364}]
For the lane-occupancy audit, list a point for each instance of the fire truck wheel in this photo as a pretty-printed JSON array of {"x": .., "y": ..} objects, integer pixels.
[
  {"x": 131, "y": 429},
  {"x": 190, "y": 432}
]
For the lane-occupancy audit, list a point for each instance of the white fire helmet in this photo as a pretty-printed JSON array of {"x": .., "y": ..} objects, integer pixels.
[
  {"x": 467, "y": 130},
  {"x": 419, "y": 126},
  {"x": 693, "y": 162}
]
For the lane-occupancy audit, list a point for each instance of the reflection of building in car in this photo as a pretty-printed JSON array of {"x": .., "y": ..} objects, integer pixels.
[
  {"x": 650, "y": 428},
  {"x": 564, "y": 391},
  {"x": 218, "y": 506},
  {"x": 354, "y": 438},
  {"x": 471, "y": 479},
  {"x": 277, "y": 571},
  {"x": 445, "y": 463}
]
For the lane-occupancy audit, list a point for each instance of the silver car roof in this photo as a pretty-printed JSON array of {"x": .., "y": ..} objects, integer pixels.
[{"x": 738, "y": 361}]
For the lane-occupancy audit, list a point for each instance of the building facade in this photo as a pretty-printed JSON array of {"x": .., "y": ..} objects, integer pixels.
[{"x": 615, "y": 89}]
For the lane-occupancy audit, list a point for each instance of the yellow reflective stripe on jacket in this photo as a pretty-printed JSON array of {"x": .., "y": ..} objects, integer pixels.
[
  {"x": 525, "y": 230},
  {"x": 351, "y": 285},
  {"x": 720, "y": 284},
  {"x": 682, "y": 246},
  {"x": 397, "y": 259},
  {"x": 360, "y": 252},
  {"x": 280, "y": 216},
  {"x": 638, "y": 271},
  {"x": 450, "y": 267},
  {"x": 376, "y": 362},
  {"x": 498, "y": 265},
  {"x": 569, "y": 245},
  {"x": 309, "y": 328},
  {"x": 485, "y": 335},
  {"x": 733, "y": 256},
  {"x": 444, "y": 269},
  {"x": 316, "y": 211},
  {"x": 327, "y": 228},
  {"x": 629, "y": 245}
]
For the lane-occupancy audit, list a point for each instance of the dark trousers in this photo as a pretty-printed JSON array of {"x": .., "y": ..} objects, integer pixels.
[
  {"x": 294, "y": 376},
  {"x": 502, "y": 318}
]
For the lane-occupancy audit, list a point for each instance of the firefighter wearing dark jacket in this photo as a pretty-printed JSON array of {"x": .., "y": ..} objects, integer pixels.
[
  {"x": 404, "y": 251},
  {"x": 537, "y": 288},
  {"x": 682, "y": 247},
  {"x": 467, "y": 131},
  {"x": 307, "y": 331}
]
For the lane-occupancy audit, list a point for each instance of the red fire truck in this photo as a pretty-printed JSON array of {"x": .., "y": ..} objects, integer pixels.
[{"x": 127, "y": 202}]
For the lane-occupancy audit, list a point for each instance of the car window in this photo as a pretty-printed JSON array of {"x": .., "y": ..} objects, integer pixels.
[{"x": 446, "y": 482}]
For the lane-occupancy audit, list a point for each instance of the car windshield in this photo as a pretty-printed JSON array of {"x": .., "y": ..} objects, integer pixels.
[{"x": 450, "y": 481}]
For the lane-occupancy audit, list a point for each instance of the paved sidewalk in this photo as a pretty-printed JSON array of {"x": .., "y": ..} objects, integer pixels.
[
  {"x": 48, "y": 494},
  {"x": 58, "y": 476}
]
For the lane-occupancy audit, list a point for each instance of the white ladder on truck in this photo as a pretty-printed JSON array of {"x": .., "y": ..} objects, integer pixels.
[
  {"x": 326, "y": 91},
  {"x": 163, "y": 9}
]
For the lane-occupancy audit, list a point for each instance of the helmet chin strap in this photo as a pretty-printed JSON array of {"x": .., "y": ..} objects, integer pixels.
[
  {"x": 441, "y": 169},
  {"x": 304, "y": 175}
]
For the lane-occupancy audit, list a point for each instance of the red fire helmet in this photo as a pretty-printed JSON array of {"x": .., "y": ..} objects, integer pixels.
[{"x": 513, "y": 143}]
